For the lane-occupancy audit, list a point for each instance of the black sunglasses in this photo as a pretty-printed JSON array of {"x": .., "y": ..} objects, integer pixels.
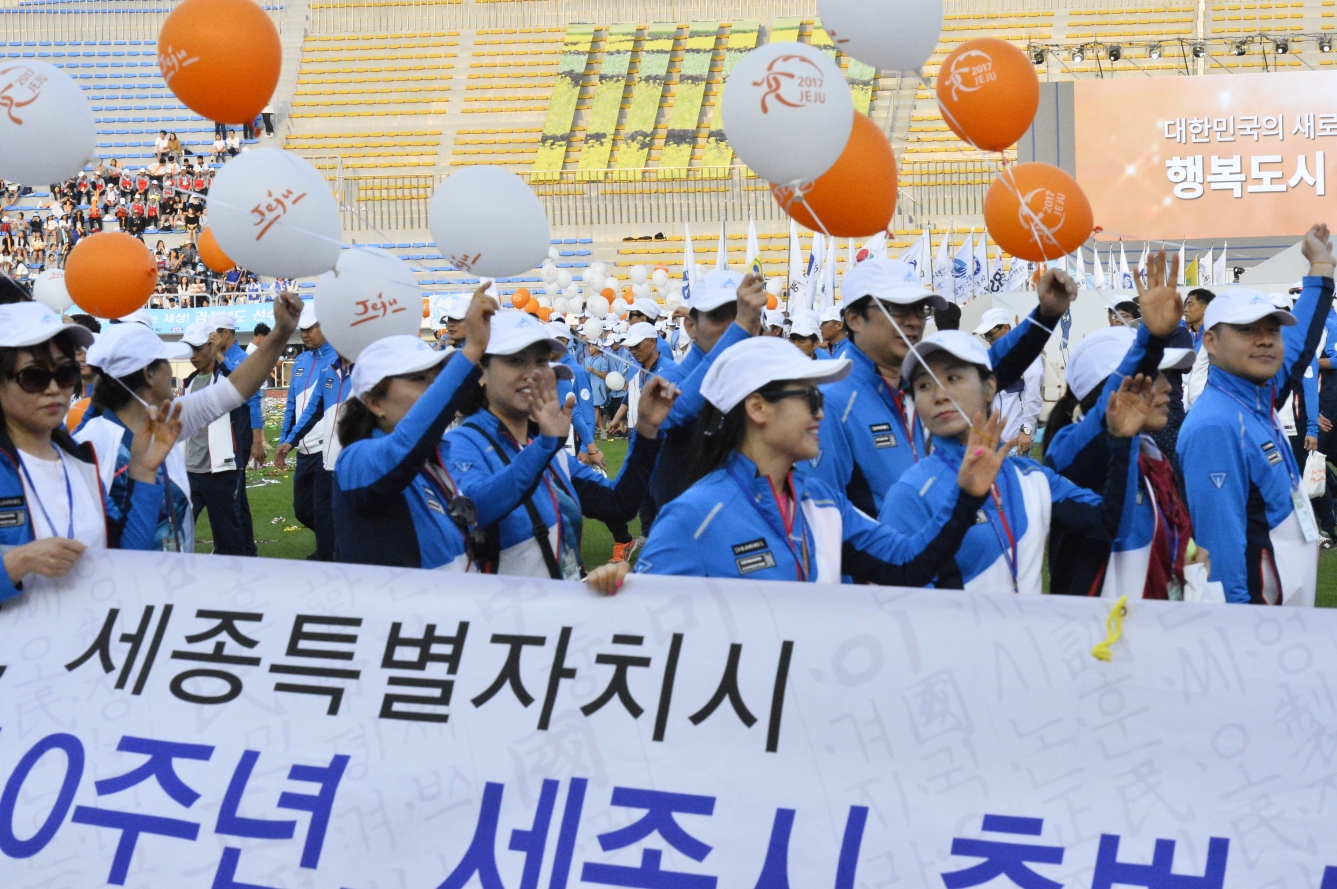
[
  {"x": 812, "y": 393},
  {"x": 34, "y": 379}
]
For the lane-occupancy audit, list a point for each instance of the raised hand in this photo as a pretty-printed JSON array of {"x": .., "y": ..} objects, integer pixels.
[
  {"x": 1056, "y": 291},
  {"x": 1128, "y": 408},
  {"x": 984, "y": 454},
  {"x": 751, "y": 303},
  {"x": 151, "y": 445},
  {"x": 546, "y": 409},
  {"x": 287, "y": 312},
  {"x": 657, "y": 399},
  {"x": 478, "y": 324},
  {"x": 1318, "y": 250},
  {"x": 1162, "y": 307}
]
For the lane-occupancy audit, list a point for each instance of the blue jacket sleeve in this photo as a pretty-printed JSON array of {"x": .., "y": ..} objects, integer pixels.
[
  {"x": 315, "y": 411},
  {"x": 496, "y": 490},
  {"x": 1078, "y": 510},
  {"x": 1216, "y": 484},
  {"x": 141, "y": 519},
  {"x": 1017, "y": 351},
  {"x": 582, "y": 418},
  {"x": 617, "y": 499},
  {"x": 1310, "y": 386},
  {"x": 1311, "y": 311},
  {"x": 374, "y": 469},
  {"x": 877, "y": 553},
  {"x": 290, "y": 403},
  {"x": 671, "y": 548},
  {"x": 690, "y": 403}
]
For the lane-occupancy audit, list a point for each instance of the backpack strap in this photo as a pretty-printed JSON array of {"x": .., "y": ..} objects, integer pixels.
[{"x": 536, "y": 520}]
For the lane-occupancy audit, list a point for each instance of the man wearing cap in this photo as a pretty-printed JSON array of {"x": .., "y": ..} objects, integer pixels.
[
  {"x": 833, "y": 331},
  {"x": 870, "y": 434},
  {"x": 1021, "y": 401},
  {"x": 452, "y": 319},
  {"x": 311, "y": 492},
  {"x": 230, "y": 357},
  {"x": 803, "y": 332},
  {"x": 332, "y": 389},
  {"x": 647, "y": 311},
  {"x": 1241, "y": 477},
  {"x": 582, "y": 418},
  {"x": 773, "y": 323}
]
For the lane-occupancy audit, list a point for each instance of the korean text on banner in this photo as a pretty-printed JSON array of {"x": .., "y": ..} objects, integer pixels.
[
  {"x": 1208, "y": 157},
  {"x": 186, "y": 721}
]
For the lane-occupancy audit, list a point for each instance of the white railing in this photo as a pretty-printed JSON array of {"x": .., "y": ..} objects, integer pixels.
[{"x": 92, "y": 20}]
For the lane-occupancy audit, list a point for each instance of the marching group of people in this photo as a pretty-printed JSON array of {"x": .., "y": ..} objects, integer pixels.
[{"x": 852, "y": 446}]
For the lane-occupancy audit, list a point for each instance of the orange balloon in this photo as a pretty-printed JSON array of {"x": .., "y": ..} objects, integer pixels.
[
  {"x": 523, "y": 293},
  {"x": 426, "y": 307},
  {"x": 855, "y": 198},
  {"x": 110, "y": 274},
  {"x": 212, "y": 255},
  {"x": 76, "y": 413},
  {"x": 520, "y": 298},
  {"x": 544, "y": 313},
  {"x": 661, "y": 267},
  {"x": 1054, "y": 221},
  {"x": 988, "y": 93},
  {"x": 608, "y": 292},
  {"x": 221, "y": 58},
  {"x": 771, "y": 302},
  {"x": 532, "y": 307}
]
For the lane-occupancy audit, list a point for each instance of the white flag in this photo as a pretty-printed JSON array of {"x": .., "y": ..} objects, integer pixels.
[
  {"x": 688, "y": 263},
  {"x": 812, "y": 276},
  {"x": 1125, "y": 276},
  {"x": 1113, "y": 270},
  {"x": 795, "y": 266},
  {"x": 997, "y": 277},
  {"x": 1207, "y": 269},
  {"x": 826, "y": 279},
  {"x": 980, "y": 270},
  {"x": 722, "y": 252},
  {"x": 1018, "y": 275},
  {"x": 1079, "y": 269},
  {"x": 913, "y": 255},
  {"x": 753, "y": 248},
  {"x": 876, "y": 248},
  {"x": 926, "y": 261},
  {"x": 1099, "y": 270},
  {"x": 962, "y": 279},
  {"x": 942, "y": 266},
  {"x": 1142, "y": 264},
  {"x": 1181, "y": 281},
  {"x": 1219, "y": 275}
]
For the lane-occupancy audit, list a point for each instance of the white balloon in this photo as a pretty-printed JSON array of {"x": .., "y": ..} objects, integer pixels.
[
  {"x": 548, "y": 273},
  {"x": 553, "y": 253},
  {"x": 788, "y": 112},
  {"x": 595, "y": 280},
  {"x": 597, "y": 305},
  {"x": 573, "y": 290},
  {"x": 551, "y": 288},
  {"x": 47, "y": 133},
  {"x": 371, "y": 294},
  {"x": 560, "y": 305},
  {"x": 672, "y": 301},
  {"x": 593, "y": 329},
  {"x": 299, "y": 233},
  {"x": 892, "y": 36},
  {"x": 615, "y": 381},
  {"x": 640, "y": 291},
  {"x": 545, "y": 302},
  {"x": 622, "y": 326},
  {"x": 613, "y": 282},
  {"x": 598, "y": 268},
  {"x": 774, "y": 286},
  {"x": 639, "y": 274},
  {"x": 576, "y": 302},
  {"x": 563, "y": 279},
  {"x": 49, "y": 290},
  {"x": 487, "y": 221},
  {"x": 619, "y": 307},
  {"x": 660, "y": 277}
]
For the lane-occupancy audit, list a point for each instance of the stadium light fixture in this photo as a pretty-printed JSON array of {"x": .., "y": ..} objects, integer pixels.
[
  {"x": 1154, "y": 51},
  {"x": 1115, "y": 53},
  {"x": 1199, "y": 50},
  {"x": 1079, "y": 54},
  {"x": 1325, "y": 44},
  {"x": 1240, "y": 48},
  {"x": 1038, "y": 55},
  {"x": 1282, "y": 46}
]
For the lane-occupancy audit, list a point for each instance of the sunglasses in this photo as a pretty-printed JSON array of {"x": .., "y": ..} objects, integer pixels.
[
  {"x": 34, "y": 379},
  {"x": 812, "y": 393}
]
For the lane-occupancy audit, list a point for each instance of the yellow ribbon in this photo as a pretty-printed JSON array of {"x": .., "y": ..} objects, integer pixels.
[{"x": 1113, "y": 630}]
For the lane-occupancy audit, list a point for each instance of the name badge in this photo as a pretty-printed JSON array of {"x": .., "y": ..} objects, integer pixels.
[
  {"x": 752, "y": 546},
  {"x": 758, "y": 562},
  {"x": 1305, "y": 514},
  {"x": 13, "y": 518},
  {"x": 1271, "y": 453},
  {"x": 883, "y": 437}
]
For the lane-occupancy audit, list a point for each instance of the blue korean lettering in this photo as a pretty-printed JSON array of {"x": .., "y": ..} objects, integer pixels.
[
  {"x": 1158, "y": 875},
  {"x": 1329, "y": 878},
  {"x": 1005, "y": 859},
  {"x": 226, "y": 878},
  {"x": 775, "y": 870},
  {"x": 660, "y": 808},
  {"x": 319, "y": 804},
  {"x": 232, "y": 824},
  {"x": 160, "y": 766},
  {"x": 10, "y": 844}
]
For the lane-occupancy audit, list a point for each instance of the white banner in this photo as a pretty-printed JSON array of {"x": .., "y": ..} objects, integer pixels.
[{"x": 171, "y": 722}]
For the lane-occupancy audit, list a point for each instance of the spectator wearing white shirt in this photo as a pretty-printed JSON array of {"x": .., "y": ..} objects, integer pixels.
[{"x": 1020, "y": 402}]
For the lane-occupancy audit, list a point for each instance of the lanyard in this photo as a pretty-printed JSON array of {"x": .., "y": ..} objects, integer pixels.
[
  {"x": 1002, "y": 529},
  {"x": 802, "y": 561},
  {"x": 69, "y": 495},
  {"x": 1278, "y": 440},
  {"x": 898, "y": 399}
]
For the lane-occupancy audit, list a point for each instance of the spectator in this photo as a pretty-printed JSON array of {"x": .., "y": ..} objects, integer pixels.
[
  {"x": 219, "y": 149},
  {"x": 233, "y": 144},
  {"x": 160, "y": 146},
  {"x": 267, "y": 115}
]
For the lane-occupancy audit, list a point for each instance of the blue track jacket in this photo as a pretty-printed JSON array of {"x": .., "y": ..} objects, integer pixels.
[
  {"x": 329, "y": 390},
  {"x": 729, "y": 524},
  {"x": 306, "y": 369},
  {"x": 1239, "y": 472},
  {"x": 391, "y": 491},
  {"x": 582, "y": 418},
  {"x": 232, "y": 359},
  {"x": 1005, "y": 553},
  {"x": 870, "y": 436}
]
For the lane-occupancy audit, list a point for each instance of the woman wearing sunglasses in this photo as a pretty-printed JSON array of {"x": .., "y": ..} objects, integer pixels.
[
  {"x": 750, "y": 515},
  {"x": 52, "y": 504}
]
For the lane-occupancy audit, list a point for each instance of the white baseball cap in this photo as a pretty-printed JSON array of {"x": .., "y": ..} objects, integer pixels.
[
  {"x": 747, "y": 366},
  {"x": 127, "y": 348},
  {"x": 1099, "y": 354},
  {"x": 224, "y": 321},
  {"x": 965, "y": 346},
  {"x": 1242, "y": 305},
  {"x": 516, "y": 331},
  {"x": 833, "y": 313},
  {"x": 559, "y": 330},
  {"x": 29, "y": 323},
  {"x": 392, "y": 356},
  {"x": 888, "y": 281},
  {"x": 774, "y": 318},
  {"x": 139, "y": 316},
  {"x": 197, "y": 334},
  {"x": 714, "y": 290},
  {"x": 639, "y": 333},
  {"x": 991, "y": 319},
  {"x": 805, "y": 324},
  {"x": 647, "y": 307},
  {"x": 308, "y": 319},
  {"x": 456, "y": 308}
]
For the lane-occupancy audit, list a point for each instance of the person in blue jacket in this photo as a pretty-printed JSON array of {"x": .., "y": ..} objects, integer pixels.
[
  {"x": 333, "y": 387},
  {"x": 871, "y": 435},
  {"x": 53, "y": 506},
  {"x": 646, "y": 311},
  {"x": 1148, "y": 556},
  {"x": 230, "y": 357},
  {"x": 395, "y": 501},
  {"x": 750, "y": 515},
  {"x": 582, "y": 419},
  {"x": 310, "y": 479},
  {"x": 950, "y": 374},
  {"x": 1241, "y": 478}
]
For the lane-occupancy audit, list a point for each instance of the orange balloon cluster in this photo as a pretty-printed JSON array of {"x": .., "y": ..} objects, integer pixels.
[
  {"x": 1037, "y": 212},
  {"x": 221, "y": 58},
  {"x": 544, "y": 313},
  {"x": 855, "y": 198},
  {"x": 110, "y": 274},
  {"x": 212, "y": 255},
  {"x": 988, "y": 93},
  {"x": 520, "y": 298}
]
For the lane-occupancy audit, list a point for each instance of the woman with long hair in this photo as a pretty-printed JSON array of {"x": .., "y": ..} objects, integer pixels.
[{"x": 750, "y": 515}]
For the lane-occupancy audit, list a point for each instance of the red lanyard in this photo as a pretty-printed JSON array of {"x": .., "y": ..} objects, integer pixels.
[
  {"x": 802, "y": 567},
  {"x": 898, "y": 397},
  {"x": 1010, "y": 547}
]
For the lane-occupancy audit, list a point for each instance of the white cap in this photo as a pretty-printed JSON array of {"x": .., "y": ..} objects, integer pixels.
[
  {"x": 197, "y": 334},
  {"x": 889, "y": 281},
  {"x": 138, "y": 317},
  {"x": 456, "y": 308},
  {"x": 559, "y": 330},
  {"x": 308, "y": 319},
  {"x": 1242, "y": 305},
  {"x": 963, "y": 345},
  {"x": 747, "y": 366},
  {"x": 639, "y": 333},
  {"x": 127, "y": 348},
  {"x": 715, "y": 289},
  {"x": 1282, "y": 301},
  {"x": 832, "y": 313},
  {"x": 805, "y": 324},
  {"x": 1099, "y": 354},
  {"x": 774, "y": 318},
  {"x": 392, "y": 356},
  {"x": 647, "y": 307},
  {"x": 991, "y": 319},
  {"x": 30, "y": 323},
  {"x": 516, "y": 331},
  {"x": 224, "y": 321}
]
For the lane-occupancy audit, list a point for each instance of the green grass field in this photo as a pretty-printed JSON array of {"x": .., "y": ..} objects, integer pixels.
[{"x": 279, "y": 536}]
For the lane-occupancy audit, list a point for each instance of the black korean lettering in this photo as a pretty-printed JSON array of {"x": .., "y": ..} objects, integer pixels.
[
  {"x": 559, "y": 672},
  {"x": 617, "y": 686},
  {"x": 226, "y": 625},
  {"x": 425, "y": 646},
  {"x": 301, "y": 633},
  {"x": 778, "y": 696},
  {"x": 102, "y": 646},
  {"x": 510, "y": 671},
  {"x": 666, "y": 689},
  {"x": 728, "y": 689}
]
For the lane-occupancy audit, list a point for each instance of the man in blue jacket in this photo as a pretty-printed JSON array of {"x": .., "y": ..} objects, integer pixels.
[
  {"x": 870, "y": 436},
  {"x": 310, "y": 482},
  {"x": 582, "y": 418},
  {"x": 1241, "y": 478},
  {"x": 231, "y": 355}
]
